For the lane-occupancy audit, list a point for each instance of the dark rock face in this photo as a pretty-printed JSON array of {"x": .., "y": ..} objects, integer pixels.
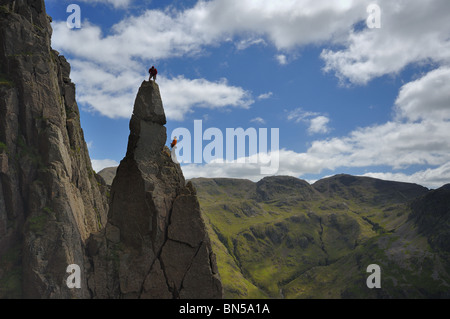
[
  {"x": 148, "y": 105},
  {"x": 155, "y": 244},
  {"x": 53, "y": 207},
  {"x": 50, "y": 198},
  {"x": 431, "y": 214}
]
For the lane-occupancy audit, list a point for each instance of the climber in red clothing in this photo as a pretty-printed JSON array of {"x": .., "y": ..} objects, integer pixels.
[
  {"x": 153, "y": 72},
  {"x": 174, "y": 142}
]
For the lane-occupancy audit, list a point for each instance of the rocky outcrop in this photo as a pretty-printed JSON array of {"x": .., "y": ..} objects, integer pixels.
[
  {"x": 53, "y": 206},
  {"x": 155, "y": 244},
  {"x": 50, "y": 198},
  {"x": 431, "y": 215}
]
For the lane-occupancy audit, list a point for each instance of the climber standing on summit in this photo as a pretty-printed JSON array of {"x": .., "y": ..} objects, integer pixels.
[{"x": 153, "y": 72}]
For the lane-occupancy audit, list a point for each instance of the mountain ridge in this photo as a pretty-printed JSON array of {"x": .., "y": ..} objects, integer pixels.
[{"x": 320, "y": 247}]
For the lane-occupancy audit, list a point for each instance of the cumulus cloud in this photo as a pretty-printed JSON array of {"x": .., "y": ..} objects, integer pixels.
[
  {"x": 115, "y": 3},
  {"x": 181, "y": 95},
  {"x": 431, "y": 178},
  {"x": 394, "y": 145},
  {"x": 265, "y": 96},
  {"x": 298, "y": 115},
  {"x": 426, "y": 98},
  {"x": 258, "y": 120},
  {"x": 418, "y": 138},
  {"x": 113, "y": 95},
  {"x": 282, "y": 59},
  {"x": 244, "y": 44},
  {"x": 101, "y": 90},
  {"x": 318, "y": 123},
  {"x": 412, "y": 32},
  {"x": 161, "y": 34},
  {"x": 290, "y": 163}
]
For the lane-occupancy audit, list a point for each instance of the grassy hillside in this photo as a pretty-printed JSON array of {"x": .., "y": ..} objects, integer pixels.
[{"x": 284, "y": 238}]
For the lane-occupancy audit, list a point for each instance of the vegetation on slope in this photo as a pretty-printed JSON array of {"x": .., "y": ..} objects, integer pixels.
[{"x": 284, "y": 238}]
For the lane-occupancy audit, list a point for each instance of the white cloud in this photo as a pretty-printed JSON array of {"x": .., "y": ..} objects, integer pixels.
[
  {"x": 412, "y": 32},
  {"x": 258, "y": 120},
  {"x": 265, "y": 96},
  {"x": 298, "y": 115},
  {"x": 246, "y": 43},
  {"x": 282, "y": 59},
  {"x": 115, "y": 3},
  {"x": 298, "y": 164},
  {"x": 284, "y": 23},
  {"x": 427, "y": 97},
  {"x": 414, "y": 137},
  {"x": 109, "y": 93},
  {"x": 394, "y": 145},
  {"x": 181, "y": 96},
  {"x": 112, "y": 94},
  {"x": 431, "y": 178},
  {"x": 319, "y": 124},
  {"x": 290, "y": 163},
  {"x": 157, "y": 34},
  {"x": 98, "y": 165},
  {"x": 108, "y": 68}
]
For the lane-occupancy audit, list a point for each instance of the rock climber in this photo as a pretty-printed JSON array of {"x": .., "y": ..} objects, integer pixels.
[
  {"x": 153, "y": 72},
  {"x": 174, "y": 142}
]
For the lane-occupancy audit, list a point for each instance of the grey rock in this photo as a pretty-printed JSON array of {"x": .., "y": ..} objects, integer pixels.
[
  {"x": 164, "y": 249},
  {"x": 50, "y": 200},
  {"x": 149, "y": 241},
  {"x": 148, "y": 105}
]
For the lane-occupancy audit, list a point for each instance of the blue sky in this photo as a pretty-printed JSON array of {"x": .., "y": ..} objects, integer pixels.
[{"x": 346, "y": 98}]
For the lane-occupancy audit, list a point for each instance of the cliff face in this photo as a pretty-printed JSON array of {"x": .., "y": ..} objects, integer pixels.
[
  {"x": 155, "y": 244},
  {"x": 50, "y": 198},
  {"x": 53, "y": 206}
]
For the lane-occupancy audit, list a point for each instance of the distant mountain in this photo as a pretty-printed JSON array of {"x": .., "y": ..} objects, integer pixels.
[
  {"x": 284, "y": 238},
  {"x": 368, "y": 190},
  {"x": 108, "y": 174}
]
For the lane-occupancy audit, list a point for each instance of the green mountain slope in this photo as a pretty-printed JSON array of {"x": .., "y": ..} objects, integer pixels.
[{"x": 284, "y": 238}]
